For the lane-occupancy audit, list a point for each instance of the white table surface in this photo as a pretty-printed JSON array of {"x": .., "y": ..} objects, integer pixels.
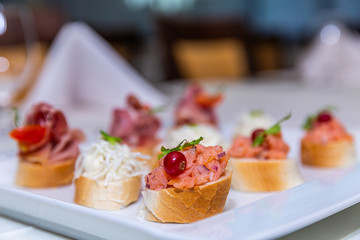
[
  {"x": 14, "y": 230},
  {"x": 277, "y": 98}
]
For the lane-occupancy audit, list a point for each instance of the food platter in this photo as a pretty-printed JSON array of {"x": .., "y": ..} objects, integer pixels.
[{"x": 249, "y": 215}]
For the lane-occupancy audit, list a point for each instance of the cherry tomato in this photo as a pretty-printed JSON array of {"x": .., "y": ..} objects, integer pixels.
[
  {"x": 174, "y": 163},
  {"x": 28, "y": 135}
]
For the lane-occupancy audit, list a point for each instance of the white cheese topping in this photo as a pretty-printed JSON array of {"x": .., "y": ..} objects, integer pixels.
[
  {"x": 250, "y": 121},
  {"x": 210, "y": 134},
  {"x": 103, "y": 161}
]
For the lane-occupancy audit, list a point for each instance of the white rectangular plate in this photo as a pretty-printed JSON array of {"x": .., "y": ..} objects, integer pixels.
[{"x": 246, "y": 215}]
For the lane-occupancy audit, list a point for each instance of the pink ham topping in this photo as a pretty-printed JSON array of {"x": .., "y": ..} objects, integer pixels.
[
  {"x": 196, "y": 106},
  {"x": 203, "y": 165},
  {"x": 59, "y": 143},
  {"x": 135, "y": 125}
]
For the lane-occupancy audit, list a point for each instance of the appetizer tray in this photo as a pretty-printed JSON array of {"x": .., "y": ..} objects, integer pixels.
[{"x": 246, "y": 215}]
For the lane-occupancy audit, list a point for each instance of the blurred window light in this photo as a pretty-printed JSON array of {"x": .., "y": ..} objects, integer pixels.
[
  {"x": 3, "y": 24},
  {"x": 4, "y": 64},
  {"x": 136, "y": 4},
  {"x": 164, "y": 6},
  {"x": 330, "y": 34}
]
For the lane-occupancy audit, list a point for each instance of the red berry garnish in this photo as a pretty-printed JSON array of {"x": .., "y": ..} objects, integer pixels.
[
  {"x": 256, "y": 133},
  {"x": 324, "y": 117},
  {"x": 174, "y": 163}
]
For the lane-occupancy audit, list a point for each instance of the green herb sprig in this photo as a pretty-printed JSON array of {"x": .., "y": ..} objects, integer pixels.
[
  {"x": 307, "y": 125},
  {"x": 158, "y": 109},
  {"x": 256, "y": 113},
  {"x": 276, "y": 128},
  {"x": 16, "y": 116},
  {"x": 181, "y": 146},
  {"x": 111, "y": 139},
  {"x": 220, "y": 88}
]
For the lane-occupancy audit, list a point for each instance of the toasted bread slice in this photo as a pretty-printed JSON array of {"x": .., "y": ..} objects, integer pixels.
[
  {"x": 340, "y": 153},
  {"x": 254, "y": 175},
  {"x": 114, "y": 196},
  {"x": 36, "y": 175},
  {"x": 186, "y": 205},
  {"x": 152, "y": 162}
]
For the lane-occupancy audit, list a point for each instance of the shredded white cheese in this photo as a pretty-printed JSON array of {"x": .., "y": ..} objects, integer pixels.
[
  {"x": 210, "y": 134},
  {"x": 105, "y": 162},
  {"x": 248, "y": 122}
]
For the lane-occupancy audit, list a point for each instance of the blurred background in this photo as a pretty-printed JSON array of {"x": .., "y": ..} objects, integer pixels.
[{"x": 199, "y": 39}]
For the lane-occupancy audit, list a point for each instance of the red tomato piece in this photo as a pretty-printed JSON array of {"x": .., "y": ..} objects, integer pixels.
[
  {"x": 28, "y": 135},
  {"x": 207, "y": 100}
]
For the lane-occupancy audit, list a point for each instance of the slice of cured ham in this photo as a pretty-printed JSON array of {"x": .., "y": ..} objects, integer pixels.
[
  {"x": 135, "y": 124},
  {"x": 59, "y": 143},
  {"x": 197, "y": 107}
]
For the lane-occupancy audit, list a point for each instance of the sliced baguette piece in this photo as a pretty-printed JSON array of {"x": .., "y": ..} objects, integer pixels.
[
  {"x": 340, "y": 153},
  {"x": 152, "y": 162},
  {"x": 114, "y": 196},
  {"x": 36, "y": 175},
  {"x": 254, "y": 175},
  {"x": 186, "y": 205}
]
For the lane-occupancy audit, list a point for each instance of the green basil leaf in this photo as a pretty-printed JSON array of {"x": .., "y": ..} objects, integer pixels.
[
  {"x": 157, "y": 109},
  {"x": 258, "y": 140},
  {"x": 179, "y": 147},
  {"x": 329, "y": 108},
  {"x": 283, "y": 119},
  {"x": 16, "y": 116},
  {"x": 307, "y": 125},
  {"x": 192, "y": 143},
  {"x": 308, "y": 122},
  {"x": 276, "y": 128},
  {"x": 161, "y": 155},
  {"x": 256, "y": 113},
  {"x": 273, "y": 130},
  {"x": 220, "y": 88},
  {"x": 111, "y": 139}
]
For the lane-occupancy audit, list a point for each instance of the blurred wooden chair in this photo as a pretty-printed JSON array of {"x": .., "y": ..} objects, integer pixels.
[
  {"x": 203, "y": 50},
  {"x": 266, "y": 53}
]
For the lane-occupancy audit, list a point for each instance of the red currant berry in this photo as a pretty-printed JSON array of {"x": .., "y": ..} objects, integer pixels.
[
  {"x": 324, "y": 117},
  {"x": 256, "y": 133},
  {"x": 174, "y": 163}
]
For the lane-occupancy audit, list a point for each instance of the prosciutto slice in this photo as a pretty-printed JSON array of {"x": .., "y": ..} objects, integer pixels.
[
  {"x": 47, "y": 116},
  {"x": 135, "y": 124},
  {"x": 197, "y": 107},
  {"x": 59, "y": 142}
]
